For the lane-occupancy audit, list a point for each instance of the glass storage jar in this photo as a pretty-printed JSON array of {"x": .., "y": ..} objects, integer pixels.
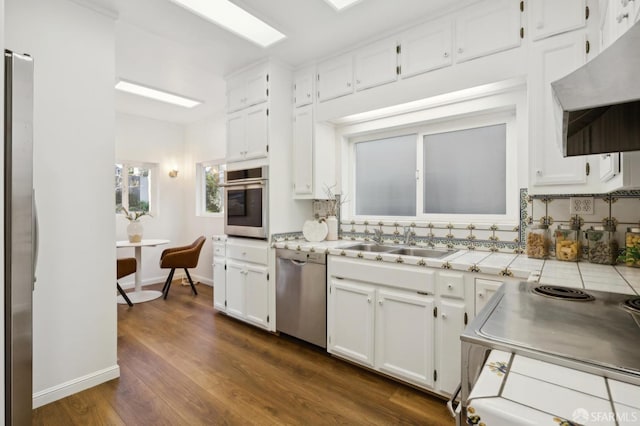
[
  {"x": 538, "y": 241},
  {"x": 567, "y": 243},
  {"x": 632, "y": 247},
  {"x": 602, "y": 245}
]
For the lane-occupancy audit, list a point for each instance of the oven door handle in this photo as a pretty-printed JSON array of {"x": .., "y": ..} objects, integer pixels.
[
  {"x": 244, "y": 182},
  {"x": 454, "y": 411}
]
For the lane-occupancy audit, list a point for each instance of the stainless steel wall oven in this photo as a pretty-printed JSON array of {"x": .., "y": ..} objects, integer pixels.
[{"x": 246, "y": 203}]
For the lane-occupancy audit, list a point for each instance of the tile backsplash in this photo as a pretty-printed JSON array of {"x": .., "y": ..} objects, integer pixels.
[{"x": 620, "y": 208}]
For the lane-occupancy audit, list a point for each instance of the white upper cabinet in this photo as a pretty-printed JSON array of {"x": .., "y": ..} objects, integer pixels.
[
  {"x": 303, "y": 87},
  {"x": 552, "y": 59},
  {"x": 376, "y": 64},
  {"x": 487, "y": 27},
  {"x": 249, "y": 88},
  {"x": 303, "y": 151},
  {"x": 335, "y": 77},
  {"x": 425, "y": 48},
  {"x": 248, "y": 133},
  {"x": 551, "y": 17}
]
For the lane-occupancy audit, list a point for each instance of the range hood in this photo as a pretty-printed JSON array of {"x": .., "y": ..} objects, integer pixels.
[{"x": 601, "y": 100}]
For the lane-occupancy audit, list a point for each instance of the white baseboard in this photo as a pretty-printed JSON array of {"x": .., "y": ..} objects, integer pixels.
[
  {"x": 202, "y": 280},
  {"x": 63, "y": 390}
]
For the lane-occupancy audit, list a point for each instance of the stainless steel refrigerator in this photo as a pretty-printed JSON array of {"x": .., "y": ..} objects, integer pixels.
[{"x": 20, "y": 237}]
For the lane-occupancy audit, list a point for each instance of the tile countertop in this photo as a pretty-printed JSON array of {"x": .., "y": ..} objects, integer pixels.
[{"x": 589, "y": 276}]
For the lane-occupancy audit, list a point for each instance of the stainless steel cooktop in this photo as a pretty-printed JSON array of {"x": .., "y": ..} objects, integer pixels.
[{"x": 597, "y": 328}]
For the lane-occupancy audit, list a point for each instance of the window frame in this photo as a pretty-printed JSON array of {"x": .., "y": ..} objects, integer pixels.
[
  {"x": 200, "y": 188},
  {"x": 153, "y": 184},
  {"x": 476, "y": 119}
]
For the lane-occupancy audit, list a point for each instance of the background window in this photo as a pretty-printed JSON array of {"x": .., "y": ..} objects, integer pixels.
[
  {"x": 386, "y": 176},
  {"x": 465, "y": 170},
  {"x": 210, "y": 191},
  {"x": 133, "y": 183}
]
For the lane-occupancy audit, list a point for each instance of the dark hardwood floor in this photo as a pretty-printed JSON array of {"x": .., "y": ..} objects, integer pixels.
[{"x": 181, "y": 363}]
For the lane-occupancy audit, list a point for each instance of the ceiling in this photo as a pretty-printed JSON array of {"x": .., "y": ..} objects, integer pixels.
[{"x": 161, "y": 45}]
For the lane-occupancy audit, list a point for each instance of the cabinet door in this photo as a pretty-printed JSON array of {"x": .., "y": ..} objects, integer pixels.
[
  {"x": 219, "y": 285},
  {"x": 487, "y": 27},
  {"x": 303, "y": 152},
  {"x": 350, "y": 320},
  {"x": 376, "y": 64},
  {"x": 257, "y": 128},
  {"x": 450, "y": 324},
  {"x": 236, "y": 96},
  {"x": 303, "y": 88},
  {"x": 550, "y": 17},
  {"x": 485, "y": 289},
  {"x": 405, "y": 336},
  {"x": 426, "y": 48},
  {"x": 235, "y": 289},
  {"x": 257, "y": 87},
  {"x": 609, "y": 166},
  {"x": 236, "y": 136},
  {"x": 257, "y": 295},
  {"x": 335, "y": 78},
  {"x": 552, "y": 59}
]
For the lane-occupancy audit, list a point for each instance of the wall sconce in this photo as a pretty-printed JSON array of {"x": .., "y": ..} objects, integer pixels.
[{"x": 173, "y": 173}]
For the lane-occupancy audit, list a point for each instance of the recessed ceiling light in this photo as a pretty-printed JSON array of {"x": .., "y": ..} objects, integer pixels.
[
  {"x": 234, "y": 19},
  {"x": 341, "y": 4},
  {"x": 158, "y": 95}
]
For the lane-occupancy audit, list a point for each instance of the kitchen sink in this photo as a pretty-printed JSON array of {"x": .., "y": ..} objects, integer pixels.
[
  {"x": 371, "y": 247},
  {"x": 422, "y": 252}
]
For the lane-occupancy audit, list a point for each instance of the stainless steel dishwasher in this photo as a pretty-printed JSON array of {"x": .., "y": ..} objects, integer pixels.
[{"x": 301, "y": 295}]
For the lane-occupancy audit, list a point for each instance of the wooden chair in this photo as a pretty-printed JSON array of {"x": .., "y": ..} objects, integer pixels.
[
  {"x": 181, "y": 257},
  {"x": 126, "y": 266}
]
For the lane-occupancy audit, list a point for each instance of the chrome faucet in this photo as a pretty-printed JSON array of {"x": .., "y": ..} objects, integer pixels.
[
  {"x": 408, "y": 235},
  {"x": 377, "y": 238}
]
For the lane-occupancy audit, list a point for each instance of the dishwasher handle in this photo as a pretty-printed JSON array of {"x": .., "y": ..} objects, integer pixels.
[{"x": 298, "y": 262}]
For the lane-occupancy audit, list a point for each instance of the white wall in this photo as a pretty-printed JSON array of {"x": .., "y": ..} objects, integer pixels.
[
  {"x": 74, "y": 314},
  {"x": 205, "y": 141},
  {"x": 147, "y": 140}
]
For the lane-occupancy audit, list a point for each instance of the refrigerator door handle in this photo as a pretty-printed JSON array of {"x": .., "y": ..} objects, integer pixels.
[{"x": 36, "y": 239}]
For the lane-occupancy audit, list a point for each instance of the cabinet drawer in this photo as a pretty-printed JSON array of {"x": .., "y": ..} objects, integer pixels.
[
  {"x": 451, "y": 284},
  {"x": 219, "y": 250},
  {"x": 255, "y": 253}
]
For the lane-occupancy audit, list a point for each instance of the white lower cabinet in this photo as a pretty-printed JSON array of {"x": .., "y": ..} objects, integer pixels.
[
  {"x": 247, "y": 294},
  {"x": 350, "y": 320},
  {"x": 452, "y": 318},
  {"x": 405, "y": 335},
  {"x": 241, "y": 282},
  {"x": 256, "y": 295},
  {"x": 219, "y": 284},
  {"x": 485, "y": 289}
]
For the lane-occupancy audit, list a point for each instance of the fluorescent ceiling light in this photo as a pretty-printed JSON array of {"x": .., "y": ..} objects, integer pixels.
[
  {"x": 234, "y": 19},
  {"x": 341, "y": 4},
  {"x": 158, "y": 95}
]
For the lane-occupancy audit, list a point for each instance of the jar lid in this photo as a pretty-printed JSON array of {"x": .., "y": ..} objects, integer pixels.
[
  {"x": 539, "y": 226},
  {"x": 609, "y": 228}
]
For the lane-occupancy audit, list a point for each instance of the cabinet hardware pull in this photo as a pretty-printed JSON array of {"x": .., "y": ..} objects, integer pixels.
[
  {"x": 449, "y": 286},
  {"x": 587, "y": 169},
  {"x": 368, "y": 300},
  {"x": 481, "y": 295},
  {"x": 587, "y": 46},
  {"x": 622, "y": 16},
  {"x": 521, "y": 32},
  {"x": 398, "y": 48},
  {"x": 443, "y": 315},
  {"x": 586, "y": 12},
  {"x": 466, "y": 318},
  {"x": 380, "y": 302},
  {"x": 522, "y": 6},
  {"x": 446, "y": 54}
]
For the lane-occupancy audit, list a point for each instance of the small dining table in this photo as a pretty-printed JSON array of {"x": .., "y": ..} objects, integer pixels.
[{"x": 139, "y": 295}]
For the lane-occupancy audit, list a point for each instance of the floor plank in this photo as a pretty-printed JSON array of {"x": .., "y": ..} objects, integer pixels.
[{"x": 182, "y": 363}]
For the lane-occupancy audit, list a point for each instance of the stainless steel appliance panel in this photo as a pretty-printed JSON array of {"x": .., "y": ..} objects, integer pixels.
[
  {"x": 301, "y": 295},
  {"x": 246, "y": 203},
  {"x": 19, "y": 237}
]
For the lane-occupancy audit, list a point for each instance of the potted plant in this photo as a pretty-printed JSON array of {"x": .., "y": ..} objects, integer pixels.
[{"x": 134, "y": 229}]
